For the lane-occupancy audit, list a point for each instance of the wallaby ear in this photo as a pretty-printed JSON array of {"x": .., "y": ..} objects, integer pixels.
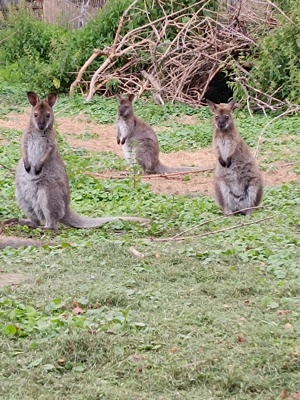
[
  {"x": 232, "y": 104},
  {"x": 211, "y": 105},
  {"x": 51, "y": 99},
  {"x": 118, "y": 96},
  {"x": 32, "y": 98},
  {"x": 131, "y": 97}
]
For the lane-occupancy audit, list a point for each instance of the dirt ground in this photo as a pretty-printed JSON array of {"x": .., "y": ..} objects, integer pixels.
[
  {"x": 78, "y": 132},
  {"x": 12, "y": 279}
]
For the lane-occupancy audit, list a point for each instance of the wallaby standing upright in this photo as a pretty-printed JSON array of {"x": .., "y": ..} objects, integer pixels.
[
  {"x": 139, "y": 141},
  {"x": 238, "y": 181},
  {"x": 42, "y": 187}
]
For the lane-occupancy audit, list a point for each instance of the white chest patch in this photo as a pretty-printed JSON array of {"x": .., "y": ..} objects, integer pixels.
[
  {"x": 36, "y": 150},
  {"x": 223, "y": 146},
  {"x": 123, "y": 129}
]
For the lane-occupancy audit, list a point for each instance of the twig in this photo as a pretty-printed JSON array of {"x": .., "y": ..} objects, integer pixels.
[
  {"x": 214, "y": 219},
  {"x": 281, "y": 12},
  {"x": 196, "y": 171},
  {"x": 8, "y": 168},
  {"x": 209, "y": 233},
  {"x": 289, "y": 111},
  {"x": 82, "y": 70},
  {"x": 150, "y": 176},
  {"x": 290, "y": 163}
]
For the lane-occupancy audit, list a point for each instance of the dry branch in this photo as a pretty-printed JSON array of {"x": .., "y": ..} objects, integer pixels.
[
  {"x": 150, "y": 176},
  {"x": 178, "y": 239},
  {"x": 203, "y": 43}
]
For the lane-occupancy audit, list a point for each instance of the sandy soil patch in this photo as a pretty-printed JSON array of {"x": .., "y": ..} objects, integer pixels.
[
  {"x": 12, "y": 279},
  {"x": 74, "y": 129}
]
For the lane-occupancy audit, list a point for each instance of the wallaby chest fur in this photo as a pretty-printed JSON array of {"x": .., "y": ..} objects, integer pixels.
[
  {"x": 139, "y": 141},
  {"x": 237, "y": 181},
  {"x": 42, "y": 187}
]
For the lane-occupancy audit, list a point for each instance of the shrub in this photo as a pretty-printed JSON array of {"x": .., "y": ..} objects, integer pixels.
[{"x": 276, "y": 62}]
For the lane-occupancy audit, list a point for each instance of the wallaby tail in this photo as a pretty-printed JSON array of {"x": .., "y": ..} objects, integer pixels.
[
  {"x": 164, "y": 169},
  {"x": 15, "y": 242},
  {"x": 73, "y": 220}
]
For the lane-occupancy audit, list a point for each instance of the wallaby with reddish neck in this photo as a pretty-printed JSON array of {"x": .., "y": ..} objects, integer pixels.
[
  {"x": 237, "y": 182},
  {"x": 139, "y": 141},
  {"x": 42, "y": 187}
]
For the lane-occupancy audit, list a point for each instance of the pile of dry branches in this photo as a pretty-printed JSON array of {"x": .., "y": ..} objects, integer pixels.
[{"x": 204, "y": 43}]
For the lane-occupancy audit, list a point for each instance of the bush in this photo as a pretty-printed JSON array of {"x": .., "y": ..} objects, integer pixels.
[
  {"x": 48, "y": 57},
  {"x": 276, "y": 63}
]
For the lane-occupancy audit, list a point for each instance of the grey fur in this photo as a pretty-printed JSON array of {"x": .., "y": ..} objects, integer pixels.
[
  {"x": 139, "y": 141},
  {"x": 237, "y": 182},
  {"x": 42, "y": 187}
]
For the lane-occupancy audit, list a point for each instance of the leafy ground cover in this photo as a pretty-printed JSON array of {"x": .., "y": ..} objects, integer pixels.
[{"x": 215, "y": 317}]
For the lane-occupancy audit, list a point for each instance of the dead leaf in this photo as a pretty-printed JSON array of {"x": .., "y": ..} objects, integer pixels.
[
  {"x": 284, "y": 394},
  {"x": 92, "y": 331},
  {"x": 70, "y": 347},
  {"x": 61, "y": 361},
  {"x": 156, "y": 255},
  {"x": 240, "y": 339},
  {"x": 283, "y": 312},
  {"x": 135, "y": 252},
  {"x": 246, "y": 302},
  {"x": 288, "y": 327},
  {"x": 227, "y": 305},
  {"x": 200, "y": 350},
  {"x": 77, "y": 311},
  {"x": 174, "y": 349}
]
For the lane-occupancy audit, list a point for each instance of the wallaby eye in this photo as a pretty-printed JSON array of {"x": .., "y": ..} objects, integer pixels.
[
  {"x": 36, "y": 115},
  {"x": 48, "y": 115},
  {"x": 226, "y": 117},
  {"x": 216, "y": 117}
]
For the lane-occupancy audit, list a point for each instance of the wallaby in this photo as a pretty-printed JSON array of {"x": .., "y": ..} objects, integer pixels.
[
  {"x": 42, "y": 187},
  {"x": 139, "y": 141},
  {"x": 237, "y": 182}
]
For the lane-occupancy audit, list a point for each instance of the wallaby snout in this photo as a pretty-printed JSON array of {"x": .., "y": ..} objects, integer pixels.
[{"x": 222, "y": 121}]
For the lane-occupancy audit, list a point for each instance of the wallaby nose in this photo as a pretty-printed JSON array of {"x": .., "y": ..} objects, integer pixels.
[{"x": 42, "y": 127}]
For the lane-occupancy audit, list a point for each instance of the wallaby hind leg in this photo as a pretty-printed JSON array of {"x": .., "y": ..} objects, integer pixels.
[
  {"x": 32, "y": 216},
  {"x": 53, "y": 207},
  {"x": 252, "y": 199},
  {"x": 222, "y": 197}
]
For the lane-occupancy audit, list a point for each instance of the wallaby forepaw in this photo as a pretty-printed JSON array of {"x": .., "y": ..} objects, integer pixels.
[
  {"x": 118, "y": 140},
  {"x": 228, "y": 162},
  {"x": 27, "y": 166},
  {"x": 222, "y": 162},
  {"x": 38, "y": 170},
  {"x": 123, "y": 140}
]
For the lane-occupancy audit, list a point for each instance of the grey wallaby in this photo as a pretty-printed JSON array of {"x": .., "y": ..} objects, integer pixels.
[
  {"x": 42, "y": 187},
  {"x": 139, "y": 141},
  {"x": 238, "y": 182}
]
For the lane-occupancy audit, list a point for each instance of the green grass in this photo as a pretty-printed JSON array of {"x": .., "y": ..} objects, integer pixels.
[{"x": 217, "y": 317}]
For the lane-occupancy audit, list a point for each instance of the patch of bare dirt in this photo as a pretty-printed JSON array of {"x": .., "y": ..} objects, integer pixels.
[
  {"x": 12, "y": 279},
  {"x": 187, "y": 119},
  {"x": 15, "y": 121},
  {"x": 74, "y": 129}
]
